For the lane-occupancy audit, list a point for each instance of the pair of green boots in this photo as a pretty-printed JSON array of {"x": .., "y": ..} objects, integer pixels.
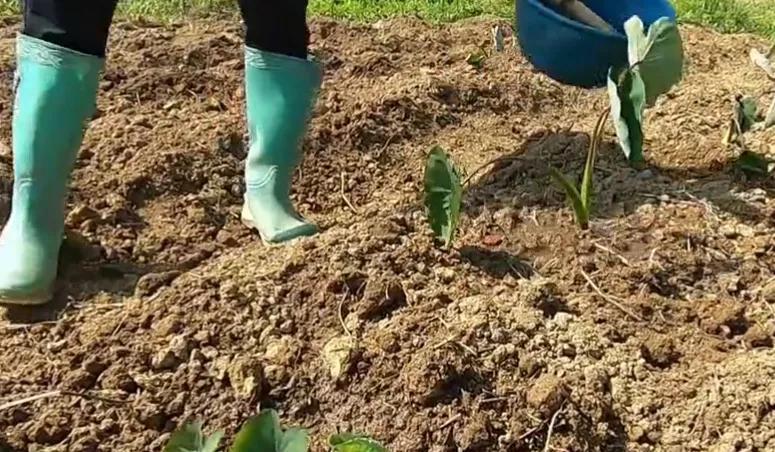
[{"x": 55, "y": 98}]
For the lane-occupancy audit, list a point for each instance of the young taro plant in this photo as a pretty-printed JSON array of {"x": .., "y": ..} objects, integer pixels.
[
  {"x": 746, "y": 117},
  {"x": 263, "y": 433},
  {"x": 443, "y": 195},
  {"x": 581, "y": 198},
  {"x": 655, "y": 65}
]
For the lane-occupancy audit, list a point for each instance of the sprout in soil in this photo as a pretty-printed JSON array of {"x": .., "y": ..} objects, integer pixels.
[
  {"x": 347, "y": 442},
  {"x": 263, "y": 433},
  {"x": 443, "y": 195},
  {"x": 581, "y": 199},
  {"x": 655, "y": 66},
  {"x": 747, "y": 117}
]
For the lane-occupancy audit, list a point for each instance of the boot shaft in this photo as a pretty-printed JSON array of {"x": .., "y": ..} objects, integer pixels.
[
  {"x": 55, "y": 96},
  {"x": 280, "y": 91}
]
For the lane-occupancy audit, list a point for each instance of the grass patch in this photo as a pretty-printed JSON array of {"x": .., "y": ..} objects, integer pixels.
[{"x": 730, "y": 16}]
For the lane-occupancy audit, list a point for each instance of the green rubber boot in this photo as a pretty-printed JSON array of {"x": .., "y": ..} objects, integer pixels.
[
  {"x": 55, "y": 96},
  {"x": 280, "y": 91}
]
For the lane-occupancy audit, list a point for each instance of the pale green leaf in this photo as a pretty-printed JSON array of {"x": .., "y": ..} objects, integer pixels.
[
  {"x": 747, "y": 113},
  {"x": 295, "y": 440},
  {"x": 658, "y": 56},
  {"x": 580, "y": 210},
  {"x": 769, "y": 119},
  {"x": 212, "y": 442},
  {"x": 260, "y": 433},
  {"x": 443, "y": 195},
  {"x": 190, "y": 438},
  {"x": 628, "y": 100},
  {"x": 263, "y": 433},
  {"x": 763, "y": 61},
  {"x": 347, "y": 442},
  {"x": 636, "y": 40}
]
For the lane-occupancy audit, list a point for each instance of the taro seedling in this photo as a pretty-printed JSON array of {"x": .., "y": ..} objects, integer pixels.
[
  {"x": 263, "y": 433},
  {"x": 655, "y": 66},
  {"x": 746, "y": 117},
  {"x": 443, "y": 195},
  {"x": 190, "y": 438},
  {"x": 347, "y": 442},
  {"x": 581, "y": 198}
]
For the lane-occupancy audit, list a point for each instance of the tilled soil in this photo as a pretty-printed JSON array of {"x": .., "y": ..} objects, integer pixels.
[{"x": 651, "y": 331}]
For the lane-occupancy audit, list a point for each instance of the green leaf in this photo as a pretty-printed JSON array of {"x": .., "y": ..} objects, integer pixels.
[
  {"x": 295, "y": 440},
  {"x": 747, "y": 113},
  {"x": 754, "y": 164},
  {"x": 589, "y": 167},
  {"x": 263, "y": 433},
  {"x": 763, "y": 61},
  {"x": 579, "y": 209},
  {"x": 628, "y": 101},
  {"x": 443, "y": 195},
  {"x": 348, "y": 442},
  {"x": 191, "y": 439},
  {"x": 658, "y": 56}
]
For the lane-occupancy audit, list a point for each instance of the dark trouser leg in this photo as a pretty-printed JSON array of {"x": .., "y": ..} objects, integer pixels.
[
  {"x": 277, "y": 26},
  {"x": 80, "y": 25}
]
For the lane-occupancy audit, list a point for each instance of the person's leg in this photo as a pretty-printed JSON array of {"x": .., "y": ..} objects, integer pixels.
[
  {"x": 276, "y": 26},
  {"x": 79, "y": 25},
  {"x": 281, "y": 86},
  {"x": 59, "y": 59}
]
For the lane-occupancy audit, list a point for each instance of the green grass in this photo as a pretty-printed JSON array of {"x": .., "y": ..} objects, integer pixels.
[{"x": 724, "y": 15}]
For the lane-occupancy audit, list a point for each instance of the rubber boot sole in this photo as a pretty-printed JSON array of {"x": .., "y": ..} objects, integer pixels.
[
  {"x": 35, "y": 299},
  {"x": 249, "y": 222}
]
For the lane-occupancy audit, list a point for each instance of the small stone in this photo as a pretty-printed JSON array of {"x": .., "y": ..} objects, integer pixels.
[
  {"x": 81, "y": 213},
  {"x": 94, "y": 366},
  {"x": 730, "y": 282},
  {"x": 246, "y": 375},
  {"x": 168, "y": 326},
  {"x": 219, "y": 366},
  {"x": 746, "y": 231},
  {"x": 492, "y": 240},
  {"x": 150, "y": 283},
  {"x": 506, "y": 218},
  {"x": 178, "y": 404},
  {"x": 503, "y": 353},
  {"x": 225, "y": 237},
  {"x": 117, "y": 378},
  {"x": 547, "y": 394},
  {"x": 79, "y": 379},
  {"x": 568, "y": 350},
  {"x": 660, "y": 351},
  {"x": 529, "y": 366},
  {"x": 728, "y": 230},
  {"x": 151, "y": 417},
  {"x": 180, "y": 347},
  {"x": 757, "y": 336},
  {"x": 57, "y": 346},
  {"x": 164, "y": 360},
  {"x": 562, "y": 319},
  {"x": 768, "y": 291},
  {"x": 281, "y": 351},
  {"x": 446, "y": 275},
  {"x": 287, "y": 327},
  {"x": 381, "y": 297},
  {"x": 337, "y": 355}
]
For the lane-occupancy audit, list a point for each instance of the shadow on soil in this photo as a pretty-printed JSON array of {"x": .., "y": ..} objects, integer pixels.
[
  {"x": 82, "y": 274},
  {"x": 522, "y": 180}
]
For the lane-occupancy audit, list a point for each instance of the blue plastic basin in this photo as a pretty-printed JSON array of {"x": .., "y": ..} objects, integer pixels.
[{"x": 576, "y": 54}]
